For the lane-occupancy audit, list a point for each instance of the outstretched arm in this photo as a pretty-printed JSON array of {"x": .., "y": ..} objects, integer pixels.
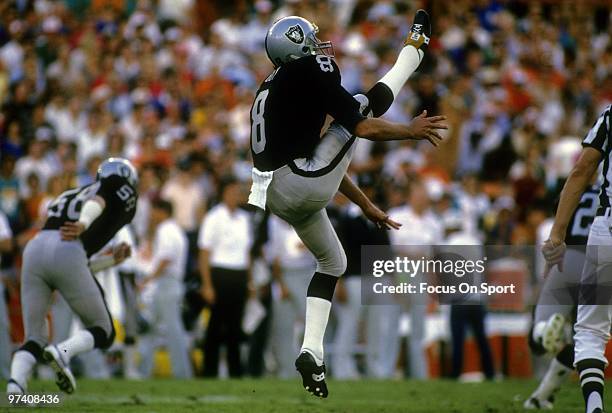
[
  {"x": 374, "y": 214},
  {"x": 419, "y": 128}
]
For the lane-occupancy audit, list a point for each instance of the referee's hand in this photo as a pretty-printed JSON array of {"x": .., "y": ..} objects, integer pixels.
[{"x": 554, "y": 252}]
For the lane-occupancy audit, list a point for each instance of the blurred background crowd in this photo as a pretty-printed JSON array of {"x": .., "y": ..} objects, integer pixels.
[{"x": 169, "y": 85}]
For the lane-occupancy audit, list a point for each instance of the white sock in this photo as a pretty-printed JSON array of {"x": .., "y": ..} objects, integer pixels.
[
  {"x": 407, "y": 62},
  {"x": 21, "y": 367},
  {"x": 317, "y": 314},
  {"x": 552, "y": 380},
  {"x": 594, "y": 402},
  {"x": 81, "y": 342}
]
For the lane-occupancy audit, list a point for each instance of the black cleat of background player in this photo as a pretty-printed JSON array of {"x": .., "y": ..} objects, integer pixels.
[
  {"x": 313, "y": 376},
  {"x": 420, "y": 33}
]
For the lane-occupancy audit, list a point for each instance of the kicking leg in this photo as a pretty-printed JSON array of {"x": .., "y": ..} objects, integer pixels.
[{"x": 379, "y": 98}]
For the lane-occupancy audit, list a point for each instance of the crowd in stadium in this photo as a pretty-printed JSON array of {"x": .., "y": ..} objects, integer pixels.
[{"x": 169, "y": 85}]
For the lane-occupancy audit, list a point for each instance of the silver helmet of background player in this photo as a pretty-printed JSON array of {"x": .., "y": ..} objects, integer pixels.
[
  {"x": 293, "y": 37},
  {"x": 120, "y": 167}
]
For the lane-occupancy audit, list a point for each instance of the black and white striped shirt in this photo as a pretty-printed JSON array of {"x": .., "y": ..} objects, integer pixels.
[{"x": 600, "y": 138}]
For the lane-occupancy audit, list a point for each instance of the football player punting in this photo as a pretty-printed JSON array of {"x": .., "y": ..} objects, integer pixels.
[
  {"x": 297, "y": 172},
  {"x": 592, "y": 328},
  {"x": 79, "y": 223}
]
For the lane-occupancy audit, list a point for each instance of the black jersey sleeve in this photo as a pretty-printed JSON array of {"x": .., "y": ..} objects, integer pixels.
[{"x": 337, "y": 101}]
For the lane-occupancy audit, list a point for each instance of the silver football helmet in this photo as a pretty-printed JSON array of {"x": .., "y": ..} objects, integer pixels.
[
  {"x": 293, "y": 37},
  {"x": 120, "y": 167}
]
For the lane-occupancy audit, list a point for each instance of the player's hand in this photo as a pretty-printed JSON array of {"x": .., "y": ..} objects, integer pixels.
[
  {"x": 426, "y": 128},
  {"x": 71, "y": 230},
  {"x": 380, "y": 218},
  {"x": 122, "y": 252},
  {"x": 554, "y": 252},
  {"x": 208, "y": 294}
]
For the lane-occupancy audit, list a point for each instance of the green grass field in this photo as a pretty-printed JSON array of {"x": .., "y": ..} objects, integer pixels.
[{"x": 277, "y": 396}]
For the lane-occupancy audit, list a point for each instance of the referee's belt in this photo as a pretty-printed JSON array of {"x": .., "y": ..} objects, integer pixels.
[{"x": 603, "y": 211}]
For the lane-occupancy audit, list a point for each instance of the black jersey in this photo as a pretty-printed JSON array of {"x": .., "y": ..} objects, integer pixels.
[
  {"x": 290, "y": 109},
  {"x": 580, "y": 224},
  {"x": 120, "y": 199}
]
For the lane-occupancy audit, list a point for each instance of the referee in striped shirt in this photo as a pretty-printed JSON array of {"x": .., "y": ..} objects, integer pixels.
[{"x": 592, "y": 328}]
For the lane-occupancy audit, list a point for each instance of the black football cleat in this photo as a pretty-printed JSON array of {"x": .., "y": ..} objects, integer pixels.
[
  {"x": 313, "y": 376},
  {"x": 420, "y": 33}
]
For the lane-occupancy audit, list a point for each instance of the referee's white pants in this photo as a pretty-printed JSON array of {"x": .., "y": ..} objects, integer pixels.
[
  {"x": 349, "y": 314},
  {"x": 164, "y": 316},
  {"x": 592, "y": 329}
]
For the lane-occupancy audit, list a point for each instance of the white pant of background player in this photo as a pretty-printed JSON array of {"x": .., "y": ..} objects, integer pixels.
[{"x": 592, "y": 329}]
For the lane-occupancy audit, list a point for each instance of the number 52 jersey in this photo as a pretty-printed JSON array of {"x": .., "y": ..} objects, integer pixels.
[{"x": 120, "y": 199}]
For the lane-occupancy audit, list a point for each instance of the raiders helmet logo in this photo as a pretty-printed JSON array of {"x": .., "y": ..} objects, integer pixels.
[{"x": 295, "y": 34}]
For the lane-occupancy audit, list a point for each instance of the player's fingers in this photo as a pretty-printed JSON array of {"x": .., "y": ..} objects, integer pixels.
[
  {"x": 556, "y": 254},
  {"x": 436, "y": 119},
  {"x": 68, "y": 231},
  {"x": 393, "y": 224},
  {"x": 438, "y": 126},
  {"x": 435, "y": 135},
  {"x": 431, "y": 139},
  {"x": 546, "y": 270}
]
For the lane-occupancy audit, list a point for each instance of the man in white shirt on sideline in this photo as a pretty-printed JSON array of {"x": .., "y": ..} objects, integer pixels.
[
  {"x": 163, "y": 293},
  {"x": 420, "y": 231},
  {"x": 225, "y": 242},
  {"x": 6, "y": 245}
]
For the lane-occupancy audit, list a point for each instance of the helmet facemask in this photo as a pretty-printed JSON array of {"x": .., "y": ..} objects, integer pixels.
[{"x": 317, "y": 46}]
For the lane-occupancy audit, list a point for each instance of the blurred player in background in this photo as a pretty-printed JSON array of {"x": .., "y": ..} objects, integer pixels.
[
  {"x": 80, "y": 222},
  {"x": 594, "y": 317},
  {"x": 555, "y": 312},
  {"x": 6, "y": 245},
  {"x": 163, "y": 289},
  {"x": 292, "y": 264},
  {"x": 296, "y": 172}
]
